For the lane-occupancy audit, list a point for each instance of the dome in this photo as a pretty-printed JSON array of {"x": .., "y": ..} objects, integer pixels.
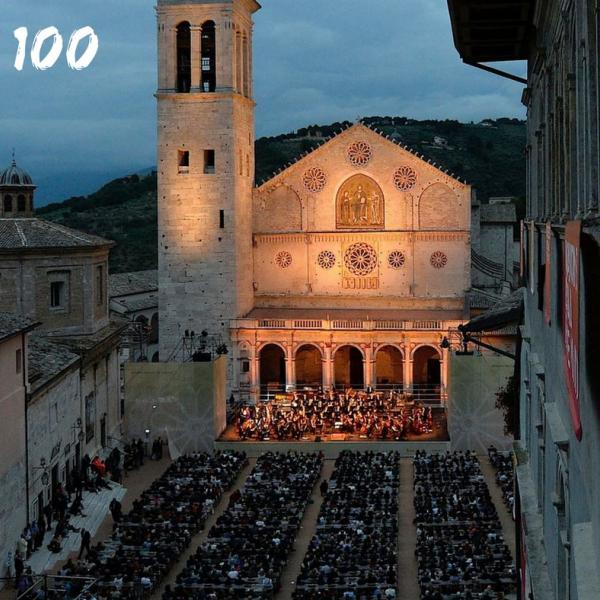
[{"x": 15, "y": 176}]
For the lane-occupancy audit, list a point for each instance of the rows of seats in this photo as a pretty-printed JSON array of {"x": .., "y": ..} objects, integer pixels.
[
  {"x": 460, "y": 550},
  {"x": 152, "y": 536},
  {"x": 503, "y": 465},
  {"x": 353, "y": 554},
  {"x": 247, "y": 548}
]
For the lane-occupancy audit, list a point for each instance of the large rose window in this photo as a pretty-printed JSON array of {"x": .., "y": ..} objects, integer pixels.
[
  {"x": 405, "y": 178},
  {"x": 360, "y": 259},
  {"x": 359, "y": 153},
  {"x": 314, "y": 179}
]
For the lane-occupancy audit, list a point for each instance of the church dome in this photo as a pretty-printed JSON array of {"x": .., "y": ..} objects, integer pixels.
[{"x": 14, "y": 175}]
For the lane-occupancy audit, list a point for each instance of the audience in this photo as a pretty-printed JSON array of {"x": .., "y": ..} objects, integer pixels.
[
  {"x": 247, "y": 548},
  {"x": 460, "y": 545},
  {"x": 353, "y": 554},
  {"x": 503, "y": 464}
]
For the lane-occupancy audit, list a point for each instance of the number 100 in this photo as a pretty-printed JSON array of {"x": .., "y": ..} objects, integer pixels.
[{"x": 48, "y": 61}]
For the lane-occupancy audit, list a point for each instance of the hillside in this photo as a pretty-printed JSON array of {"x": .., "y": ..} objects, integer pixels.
[{"x": 489, "y": 155}]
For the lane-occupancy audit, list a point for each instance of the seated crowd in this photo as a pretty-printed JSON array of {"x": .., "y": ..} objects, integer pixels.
[
  {"x": 460, "y": 545},
  {"x": 503, "y": 464},
  {"x": 353, "y": 555},
  {"x": 247, "y": 548},
  {"x": 150, "y": 538},
  {"x": 375, "y": 415}
]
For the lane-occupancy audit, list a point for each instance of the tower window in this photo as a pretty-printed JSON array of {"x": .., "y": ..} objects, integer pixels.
[
  {"x": 208, "y": 57},
  {"x": 184, "y": 58},
  {"x": 221, "y": 219},
  {"x": 184, "y": 161},
  {"x": 209, "y": 162},
  {"x": 8, "y": 203},
  {"x": 99, "y": 285},
  {"x": 21, "y": 203},
  {"x": 57, "y": 294}
]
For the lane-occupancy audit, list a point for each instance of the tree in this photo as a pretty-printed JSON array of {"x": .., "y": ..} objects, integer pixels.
[{"x": 507, "y": 400}]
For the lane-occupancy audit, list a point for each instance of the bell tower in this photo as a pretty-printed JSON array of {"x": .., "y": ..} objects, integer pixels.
[{"x": 205, "y": 166}]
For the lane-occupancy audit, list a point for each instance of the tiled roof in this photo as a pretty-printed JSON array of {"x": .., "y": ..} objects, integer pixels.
[
  {"x": 85, "y": 343},
  {"x": 138, "y": 282},
  {"x": 16, "y": 234},
  {"x": 136, "y": 304},
  {"x": 11, "y": 324},
  {"x": 47, "y": 360}
]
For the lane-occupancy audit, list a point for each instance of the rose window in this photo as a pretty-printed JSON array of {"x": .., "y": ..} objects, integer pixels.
[
  {"x": 360, "y": 259},
  {"x": 438, "y": 260},
  {"x": 405, "y": 178},
  {"x": 283, "y": 259},
  {"x": 314, "y": 179},
  {"x": 326, "y": 259},
  {"x": 359, "y": 154},
  {"x": 396, "y": 259}
]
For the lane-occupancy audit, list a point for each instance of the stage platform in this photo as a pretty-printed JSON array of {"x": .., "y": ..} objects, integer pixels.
[{"x": 331, "y": 449}]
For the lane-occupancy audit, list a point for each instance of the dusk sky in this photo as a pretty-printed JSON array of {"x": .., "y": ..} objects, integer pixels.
[{"x": 316, "y": 61}]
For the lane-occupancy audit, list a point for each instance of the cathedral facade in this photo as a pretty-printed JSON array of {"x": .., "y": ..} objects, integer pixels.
[{"x": 348, "y": 268}]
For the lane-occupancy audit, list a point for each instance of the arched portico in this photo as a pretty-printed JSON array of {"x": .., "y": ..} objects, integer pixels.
[
  {"x": 389, "y": 366},
  {"x": 309, "y": 366},
  {"x": 427, "y": 371},
  {"x": 348, "y": 367},
  {"x": 272, "y": 369}
]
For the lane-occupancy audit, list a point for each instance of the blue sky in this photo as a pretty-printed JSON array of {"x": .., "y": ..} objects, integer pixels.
[{"x": 316, "y": 61}]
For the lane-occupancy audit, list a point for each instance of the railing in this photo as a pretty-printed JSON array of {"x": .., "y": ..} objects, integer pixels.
[
  {"x": 345, "y": 324},
  {"x": 53, "y": 586},
  {"x": 392, "y": 325},
  {"x": 271, "y": 324}
]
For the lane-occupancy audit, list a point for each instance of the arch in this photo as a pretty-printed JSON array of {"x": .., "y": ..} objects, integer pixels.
[
  {"x": 360, "y": 204},
  {"x": 439, "y": 208},
  {"x": 427, "y": 366},
  {"x": 184, "y": 57},
  {"x": 208, "y": 57},
  {"x": 348, "y": 367},
  {"x": 277, "y": 210},
  {"x": 238, "y": 62},
  {"x": 389, "y": 366},
  {"x": 21, "y": 203},
  {"x": 309, "y": 366},
  {"x": 272, "y": 366},
  {"x": 154, "y": 329},
  {"x": 246, "y": 66},
  {"x": 8, "y": 203}
]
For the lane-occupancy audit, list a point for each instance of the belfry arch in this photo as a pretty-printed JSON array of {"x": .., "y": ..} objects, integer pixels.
[
  {"x": 309, "y": 366},
  {"x": 389, "y": 367},
  {"x": 349, "y": 368},
  {"x": 184, "y": 57},
  {"x": 208, "y": 58}
]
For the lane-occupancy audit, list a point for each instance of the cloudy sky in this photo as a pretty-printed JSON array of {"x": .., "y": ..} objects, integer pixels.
[{"x": 316, "y": 61}]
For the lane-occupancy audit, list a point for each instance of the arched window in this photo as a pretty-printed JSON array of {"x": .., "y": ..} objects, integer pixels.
[
  {"x": 246, "y": 67},
  {"x": 21, "y": 203},
  {"x": 209, "y": 56},
  {"x": 8, "y": 203},
  {"x": 153, "y": 335},
  {"x": 184, "y": 57}
]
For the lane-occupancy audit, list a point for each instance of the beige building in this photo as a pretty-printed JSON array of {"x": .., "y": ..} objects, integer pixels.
[{"x": 348, "y": 268}]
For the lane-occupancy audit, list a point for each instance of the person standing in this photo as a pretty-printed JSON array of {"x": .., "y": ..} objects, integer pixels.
[{"x": 85, "y": 542}]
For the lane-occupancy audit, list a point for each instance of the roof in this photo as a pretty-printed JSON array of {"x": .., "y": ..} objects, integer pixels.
[
  {"x": 498, "y": 213},
  {"x": 12, "y": 324},
  {"x": 494, "y": 30},
  {"x": 272, "y": 180},
  {"x": 137, "y": 282},
  {"x": 356, "y": 314},
  {"x": 47, "y": 360},
  {"x": 136, "y": 304},
  {"x": 18, "y": 234},
  {"x": 15, "y": 176},
  {"x": 82, "y": 344},
  {"x": 508, "y": 311}
]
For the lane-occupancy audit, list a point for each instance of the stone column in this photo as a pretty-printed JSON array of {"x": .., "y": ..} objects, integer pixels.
[
  {"x": 444, "y": 371},
  {"x": 172, "y": 60},
  {"x": 290, "y": 371},
  {"x": 254, "y": 372},
  {"x": 327, "y": 368},
  {"x": 408, "y": 370},
  {"x": 196, "y": 50},
  {"x": 368, "y": 367}
]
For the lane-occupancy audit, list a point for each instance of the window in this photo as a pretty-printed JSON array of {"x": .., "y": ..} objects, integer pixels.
[
  {"x": 184, "y": 161},
  {"x": 208, "y": 58},
  {"x": 19, "y": 360},
  {"x": 209, "y": 162},
  {"x": 221, "y": 219},
  {"x": 8, "y": 203},
  {"x": 99, "y": 285},
  {"x": 57, "y": 294},
  {"x": 184, "y": 58},
  {"x": 21, "y": 203},
  {"x": 246, "y": 366}
]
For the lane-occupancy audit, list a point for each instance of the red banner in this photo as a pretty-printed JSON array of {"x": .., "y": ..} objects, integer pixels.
[
  {"x": 571, "y": 318},
  {"x": 548, "y": 276}
]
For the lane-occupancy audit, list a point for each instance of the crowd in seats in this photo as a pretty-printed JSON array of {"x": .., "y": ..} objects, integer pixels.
[
  {"x": 150, "y": 538},
  {"x": 460, "y": 546},
  {"x": 246, "y": 550},
  {"x": 503, "y": 465},
  {"x": 353, "y": 554}
]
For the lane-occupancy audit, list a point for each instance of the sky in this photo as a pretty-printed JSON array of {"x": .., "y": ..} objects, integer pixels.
[{"x": 315, "y": 62}]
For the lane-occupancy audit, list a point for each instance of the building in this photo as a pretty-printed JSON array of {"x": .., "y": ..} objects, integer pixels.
[
  {"x": 14, "y": 334},
  {"x": 558, "y": 449},
  {"x": 58, "y": 277},
  {"x": 349, "y": 267}
]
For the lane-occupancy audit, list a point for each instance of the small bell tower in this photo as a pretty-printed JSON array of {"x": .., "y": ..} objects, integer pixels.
[{"x": 16, "y": 192}]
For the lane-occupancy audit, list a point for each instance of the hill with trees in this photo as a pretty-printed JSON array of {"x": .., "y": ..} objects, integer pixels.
[{"x": 489, "y": 155}]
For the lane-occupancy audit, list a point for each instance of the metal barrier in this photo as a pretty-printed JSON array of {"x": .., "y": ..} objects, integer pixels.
[{"x": 53, "y": 587}]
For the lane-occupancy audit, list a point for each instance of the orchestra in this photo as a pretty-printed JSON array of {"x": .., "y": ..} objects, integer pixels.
[{"x": 308, "y": 414}]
